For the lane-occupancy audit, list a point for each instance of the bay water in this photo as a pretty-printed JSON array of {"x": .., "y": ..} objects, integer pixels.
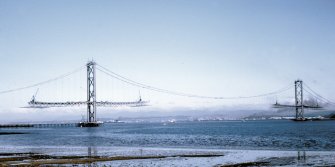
[{"x": 284, "y": 135}]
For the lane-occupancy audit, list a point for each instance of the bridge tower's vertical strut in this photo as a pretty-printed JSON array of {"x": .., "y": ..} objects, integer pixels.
[
  {"x": 91, "y": 92},
  {"x": 299, "y": 101}
]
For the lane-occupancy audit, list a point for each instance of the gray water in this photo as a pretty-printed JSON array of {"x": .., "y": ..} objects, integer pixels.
[{"x": 249, "y": 135}]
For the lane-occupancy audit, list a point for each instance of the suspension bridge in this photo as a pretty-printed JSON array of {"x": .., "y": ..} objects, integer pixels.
[{"x": 92, "y": 103}]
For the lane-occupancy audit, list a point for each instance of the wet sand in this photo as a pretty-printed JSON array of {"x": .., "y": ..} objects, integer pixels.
[
  {"x": 123, "y": 156},
  {"x": 34, "y": 159}
]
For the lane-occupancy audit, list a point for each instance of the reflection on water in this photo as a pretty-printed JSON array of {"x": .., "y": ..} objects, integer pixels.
[
  {"x": 301, "y": 157},
  {"x": 92, "y": 152}
]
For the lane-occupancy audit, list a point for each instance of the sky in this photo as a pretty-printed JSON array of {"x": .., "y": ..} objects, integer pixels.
[{"x": 212, "y": 48}]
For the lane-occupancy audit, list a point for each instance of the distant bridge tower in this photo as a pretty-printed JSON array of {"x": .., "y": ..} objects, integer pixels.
[
  {"x": 299, "y": 101},
  {"x": 91, "y": 93}
]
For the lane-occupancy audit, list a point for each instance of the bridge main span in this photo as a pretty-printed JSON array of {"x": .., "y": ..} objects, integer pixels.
[{"x": 91, "y": 102}]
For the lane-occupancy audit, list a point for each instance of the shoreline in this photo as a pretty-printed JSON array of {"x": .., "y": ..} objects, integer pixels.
[{"x": 146, "y": 156}]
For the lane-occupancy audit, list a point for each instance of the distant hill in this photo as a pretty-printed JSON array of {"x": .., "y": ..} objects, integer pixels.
[
  {"x": 332, "y": 115},
  {"x": 291, "y": 113}
]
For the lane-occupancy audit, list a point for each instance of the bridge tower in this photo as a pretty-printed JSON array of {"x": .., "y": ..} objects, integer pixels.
[
  {"x": 91, "y": 92},
  {"x": 91, "y": 97},
  {"x": 299, "y": 101}
]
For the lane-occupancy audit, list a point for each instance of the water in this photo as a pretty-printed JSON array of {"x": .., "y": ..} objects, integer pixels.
[{"x": 249, "y": 135}]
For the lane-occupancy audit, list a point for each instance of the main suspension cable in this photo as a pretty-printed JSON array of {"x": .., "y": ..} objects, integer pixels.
[
  {"x": 152, "y": 88},
  {"x": 318, "y": 96},
  {"x": 43, "y": 82}
]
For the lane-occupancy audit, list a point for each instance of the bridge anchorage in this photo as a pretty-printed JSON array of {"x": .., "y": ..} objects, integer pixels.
[
  {"x": 91, "y": 102},
  {"x": 299, "y": 102}
]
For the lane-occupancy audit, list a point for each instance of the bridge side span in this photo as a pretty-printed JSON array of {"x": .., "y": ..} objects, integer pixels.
[{"x": 38, "y": 104}]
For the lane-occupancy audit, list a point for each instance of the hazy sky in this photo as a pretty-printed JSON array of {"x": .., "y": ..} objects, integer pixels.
[{"x": 213, "y": 48}]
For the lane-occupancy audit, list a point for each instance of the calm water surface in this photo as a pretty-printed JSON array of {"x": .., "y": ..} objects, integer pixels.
[{"x": 254, "y": 135}]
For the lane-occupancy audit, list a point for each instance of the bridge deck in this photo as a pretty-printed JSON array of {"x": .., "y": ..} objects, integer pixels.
[{"x": 38, "y": 104}]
